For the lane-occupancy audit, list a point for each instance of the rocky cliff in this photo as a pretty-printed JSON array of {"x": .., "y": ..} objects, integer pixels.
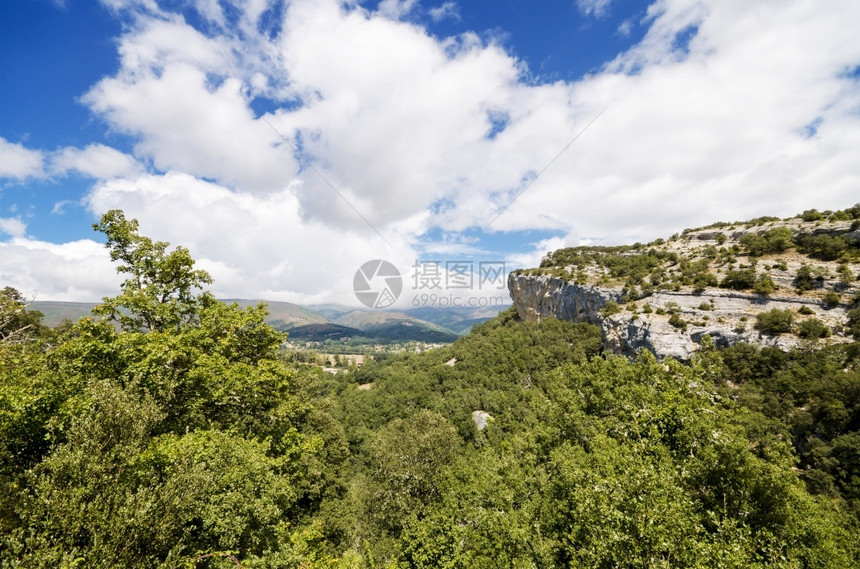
[{"x": 665, "y": 296}]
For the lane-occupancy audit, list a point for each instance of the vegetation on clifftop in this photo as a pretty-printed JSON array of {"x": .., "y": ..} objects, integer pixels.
[{"x": 815, "y": 255}]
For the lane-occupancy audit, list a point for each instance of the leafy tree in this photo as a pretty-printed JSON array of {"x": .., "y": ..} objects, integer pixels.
[
  {"x": 611, "y": 307},
  {"x": 854, "y": 322},
  {"x": 407, "y": 458},
  {"x": 17, "y": 322},
  {"x": 764, "y": 285},
  {"x": 178, "y": 437},
  {"x": 813, "y": 328},
  {"x": 774, "y": 321},
  {"x": 831, "y": 299},
  {"x": 160, "y": 292},
  {"x": 703, "y": 280},
  {"x": 740, "y": 279},
  {"x": 803, "y": 281},
  {"x": 823, "y": 247},
  {"x": 811, "y": 215}
]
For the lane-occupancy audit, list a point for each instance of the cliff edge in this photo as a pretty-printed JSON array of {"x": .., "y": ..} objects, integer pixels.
[{"x": 770, "y": 282}]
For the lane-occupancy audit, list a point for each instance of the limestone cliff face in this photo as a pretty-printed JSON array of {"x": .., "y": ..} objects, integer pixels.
[
  {"x": 539, "y": 296},
  {"x": 726, "y": 316}
]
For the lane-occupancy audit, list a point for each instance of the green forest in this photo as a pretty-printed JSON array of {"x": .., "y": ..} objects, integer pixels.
[{"x": 171, "y": 430}]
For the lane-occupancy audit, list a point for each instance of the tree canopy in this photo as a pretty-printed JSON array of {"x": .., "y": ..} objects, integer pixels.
[{"x": 172, "y": 431}]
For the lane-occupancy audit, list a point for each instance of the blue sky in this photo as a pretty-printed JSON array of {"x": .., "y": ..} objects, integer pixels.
[{"x": 285, "y": 143}]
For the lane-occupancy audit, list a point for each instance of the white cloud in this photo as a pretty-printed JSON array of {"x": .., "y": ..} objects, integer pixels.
[
  {"x": 396, "y": 9},
  {"x": 74, "y": 271},
  {"x": 254, "y": 246},
  {"x": 725, "y": 110},
  {"x": 596, "y": 8},
  {"x": 96, "y": 161},
  {"x": 446, "y": 10},
  {"x": 19, "y": 162},
  {"x": 13, "y": 226}
]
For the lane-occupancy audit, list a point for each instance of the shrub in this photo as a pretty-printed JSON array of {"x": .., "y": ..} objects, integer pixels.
[
  {"x": 610, "y": 308},
  {"x": 811, "y": 215},
  {"x": 739, "y": 279},
  {"x": 803, "y": 280},
  {"x": 854, "y": 322},
  {"x": 764, "y": 285},
  {"x": 774, "y": 321},
  {"x": 831, "y": 299},
  {"x": 754, "y": 244},
  {"x": 805, "y": 310},
  {"x": 779, "y": 239},
  {"x": 705, "y": 306},
  {"x": 813, "y": 329},
  {"x": 822, "y": 246},
  {"x": 677, "y": 322},
  {"x": 775, "y": 240},
  {"x": 703, "y": 280}
]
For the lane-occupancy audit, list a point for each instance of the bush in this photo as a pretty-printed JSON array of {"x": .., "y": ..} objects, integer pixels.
[
  {"x": 822, "y": 247},
  {"x": 754, "y": 244},
  {"x": 845, "y": 274},
  {"x": 831, "y": 299},
  {"x": 811, "y": 215},
  {"x": 854, "y": 322},
  {"x": 775, "y": 240},
  {"x": 774, "y": 321},
  {"x": 803, "y": 280},
  {"x": 813, "y": 329},
  {"x": 610, "y": 308},
  {"x": 764, "y": 285},
  {"x": 741, "y": 279},
  {"x": 677, "y": 322},
  {"x": 703, "y": 281},
  {"x": 805, "y": 310}
]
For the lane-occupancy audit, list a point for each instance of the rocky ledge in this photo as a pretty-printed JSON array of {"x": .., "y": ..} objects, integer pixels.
[
  {"x": 669, "y": 295},
  {"x": 727, "y": 317}
]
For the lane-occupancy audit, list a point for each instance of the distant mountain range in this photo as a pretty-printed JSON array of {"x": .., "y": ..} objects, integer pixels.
[{"x": 332, "y": 321}]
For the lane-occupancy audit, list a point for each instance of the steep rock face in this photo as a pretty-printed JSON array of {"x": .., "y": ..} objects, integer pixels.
[
  {"x": 538, "y": 296},
  {"x": 726, "y": 316}
]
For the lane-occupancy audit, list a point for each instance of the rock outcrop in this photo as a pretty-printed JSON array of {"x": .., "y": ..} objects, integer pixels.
[
  {"x": 674, "y": 321},
  {"x": 728, "y": 319}
]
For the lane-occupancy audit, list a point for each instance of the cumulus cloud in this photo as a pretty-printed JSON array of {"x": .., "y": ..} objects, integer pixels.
[
  {"x": 254, "y": 246},
  {"x": 396, "y": 9},
  {"x": 13, "y": 226},
  {"x": 19, "y": 162},
  {"x": 95, "y": 161},
  {"x": 74, "y": 271},
  {"x": 724, "y": 110}
]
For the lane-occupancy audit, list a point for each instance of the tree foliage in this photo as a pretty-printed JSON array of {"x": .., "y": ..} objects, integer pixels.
[
  {"x": 172, "y": 433},
  {"x": 160, "y": 290}
]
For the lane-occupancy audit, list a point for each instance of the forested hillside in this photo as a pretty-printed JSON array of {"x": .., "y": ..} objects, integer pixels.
[{"x": 186, "y": 439}]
